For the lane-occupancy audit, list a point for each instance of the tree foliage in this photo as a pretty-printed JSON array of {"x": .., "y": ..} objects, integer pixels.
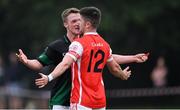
[{"x": 129, "y": 26}]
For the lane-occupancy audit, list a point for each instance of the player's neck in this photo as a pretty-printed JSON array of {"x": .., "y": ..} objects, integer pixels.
[
  {"x": 71, "y": 36},
  {"x": 90, "y": 30}
]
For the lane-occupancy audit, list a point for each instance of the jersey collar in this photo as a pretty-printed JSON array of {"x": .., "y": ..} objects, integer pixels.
[
  {"x": 93, "y": 33},
  {"x": 66, "y": 39}
]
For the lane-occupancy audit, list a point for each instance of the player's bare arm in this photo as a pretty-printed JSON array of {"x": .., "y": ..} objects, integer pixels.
[
  {"x": 58, "y": 71},
  {"x": 138, "y": 58},
  {"x": 116, "y": 70},
  {"x": 30, "y": 63}
]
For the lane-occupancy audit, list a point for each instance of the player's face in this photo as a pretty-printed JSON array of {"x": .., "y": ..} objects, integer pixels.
[{"x": 72, "y": 23}]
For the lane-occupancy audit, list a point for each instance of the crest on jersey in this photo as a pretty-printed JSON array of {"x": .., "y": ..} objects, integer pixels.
[{"x": 74, "y": 47}]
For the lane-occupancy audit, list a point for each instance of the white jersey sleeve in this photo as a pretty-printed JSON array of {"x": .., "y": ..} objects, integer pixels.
[
  {"x": 110, "y": 58},
  {"x": 75, "y": 50}
]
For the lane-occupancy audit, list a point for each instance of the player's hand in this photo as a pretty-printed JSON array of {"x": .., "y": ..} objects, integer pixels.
[
  {"x": 142, "y": 57},
  {"x": 41, "y": 82},
  {"x": 126, "y": 73},
  {"x": 22, "y": 57}
]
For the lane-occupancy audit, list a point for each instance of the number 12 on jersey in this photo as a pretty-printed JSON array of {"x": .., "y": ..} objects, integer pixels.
[{"x": 94, "y": 55}]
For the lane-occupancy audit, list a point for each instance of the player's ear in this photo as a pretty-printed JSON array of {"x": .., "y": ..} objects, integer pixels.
[{"x": 88, "y": 24}]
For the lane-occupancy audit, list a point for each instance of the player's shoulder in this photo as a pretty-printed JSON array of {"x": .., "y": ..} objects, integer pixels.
[
  {"x": 78, "y": 40},
  {"x": 57, "y": 43},
  {"x": 103, "y": 40},
  {"x": 77, "y": 43},
  {"x": 106, "y": 45}
]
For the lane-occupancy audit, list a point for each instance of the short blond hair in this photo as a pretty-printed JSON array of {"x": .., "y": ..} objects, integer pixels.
[{"x": 67, "y": 12}]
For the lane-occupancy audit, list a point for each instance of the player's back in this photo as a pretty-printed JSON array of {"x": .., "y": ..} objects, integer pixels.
[{"x": 89, "y": 77}]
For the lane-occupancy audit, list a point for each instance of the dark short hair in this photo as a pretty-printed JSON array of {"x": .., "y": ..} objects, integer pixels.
[
  {"x": 67, "y": 12},
  {"x": 91, "y": 14}
]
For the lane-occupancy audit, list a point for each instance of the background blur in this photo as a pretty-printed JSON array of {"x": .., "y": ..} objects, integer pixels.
[{"x": 130, "y": 26}]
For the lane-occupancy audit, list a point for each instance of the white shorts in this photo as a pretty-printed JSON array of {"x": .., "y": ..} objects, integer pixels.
[
  {"x": 60, "y": 107},
  {"x": 75, "y": 106}
]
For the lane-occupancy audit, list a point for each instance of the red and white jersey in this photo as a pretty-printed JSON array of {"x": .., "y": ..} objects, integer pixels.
[{"x": 91, "y": 52}]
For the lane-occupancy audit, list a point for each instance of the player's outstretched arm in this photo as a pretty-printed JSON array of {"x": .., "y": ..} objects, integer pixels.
[
  {"x": 58, "y": 71},
  {"x": 124, "y": 59},
  {"x": 116, "y": 70},
  {"x": 30, "y": 63}
]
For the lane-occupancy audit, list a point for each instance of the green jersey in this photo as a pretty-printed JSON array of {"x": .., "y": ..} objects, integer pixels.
[{"x": 53, "y": 55}]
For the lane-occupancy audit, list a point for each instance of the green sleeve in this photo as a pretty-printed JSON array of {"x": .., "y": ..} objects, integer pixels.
[{"x": 44, "y": 59}]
